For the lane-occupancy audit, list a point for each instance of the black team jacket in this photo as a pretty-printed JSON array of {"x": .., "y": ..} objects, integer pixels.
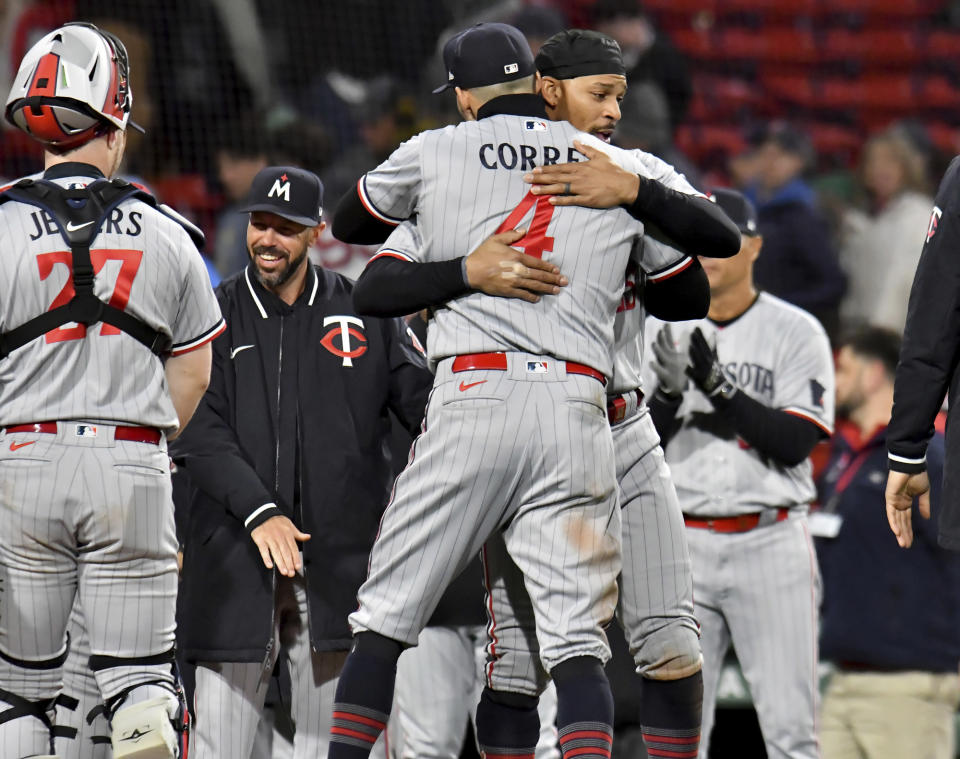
[
  {"x": 930, "y": 354},
  {"x": 297, "y": 416}
]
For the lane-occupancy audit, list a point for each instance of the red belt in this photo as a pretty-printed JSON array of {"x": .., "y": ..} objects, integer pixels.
[
  {"x": 120, "y": 432},
  {"x": 498, "y": 362},
  {"x": 741, "y": 523},
  {"x": 617, "y": 407}
]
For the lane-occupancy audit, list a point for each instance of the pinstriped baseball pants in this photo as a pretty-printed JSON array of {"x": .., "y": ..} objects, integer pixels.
[
  {"x": 90, "y": 516},
  {"x": 524, "y": 457}
]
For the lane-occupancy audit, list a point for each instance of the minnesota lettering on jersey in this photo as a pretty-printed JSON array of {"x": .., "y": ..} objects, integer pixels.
[
  {"x": 44, "y": 224},
  {"x": 749, "y": 376}
]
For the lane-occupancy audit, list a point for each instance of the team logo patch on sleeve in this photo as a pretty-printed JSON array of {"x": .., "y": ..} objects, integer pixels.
[
  {"x": 532, "y": 125},
  {"x": 934, "y": 223},
  {"x": 816, "y": 392}
]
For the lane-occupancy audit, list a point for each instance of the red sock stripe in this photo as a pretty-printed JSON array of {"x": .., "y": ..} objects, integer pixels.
[
  {"x": 371, "y": 739},
  {"x": 592, "y": 750},
  {"x": 666, "y": 739},
  {"x": 672, "y": 754},
  {"x": 580, "y": 734},
  {"x": 362, "y": 720}
]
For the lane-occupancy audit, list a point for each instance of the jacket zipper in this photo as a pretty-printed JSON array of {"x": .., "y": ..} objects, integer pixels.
[{"x": 276, "y": 489}]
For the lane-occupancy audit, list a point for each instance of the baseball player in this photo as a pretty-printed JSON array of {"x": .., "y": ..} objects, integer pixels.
[
  {"x": 737, "y": 437},
  {"x": 656, "y": 597},
  {"x": 515, "y": 383},
  {"x": 106, "y": 298}
]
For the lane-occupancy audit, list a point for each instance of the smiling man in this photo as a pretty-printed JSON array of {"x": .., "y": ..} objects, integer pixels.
[{"x": 289, "y": 443}]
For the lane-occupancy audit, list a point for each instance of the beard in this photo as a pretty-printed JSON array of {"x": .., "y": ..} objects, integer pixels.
[{"x": 272, "y": 280}]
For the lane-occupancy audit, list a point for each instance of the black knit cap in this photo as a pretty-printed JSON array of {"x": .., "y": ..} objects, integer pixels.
[{"x": 580, "y": 52}]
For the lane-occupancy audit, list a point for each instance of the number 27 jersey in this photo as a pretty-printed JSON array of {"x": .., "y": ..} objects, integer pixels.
[
  {"x": 464, "y": 183},
  {"x": 145, "y": 264}
]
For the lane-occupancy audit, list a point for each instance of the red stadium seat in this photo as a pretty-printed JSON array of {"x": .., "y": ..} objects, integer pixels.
[
  {"x": 892, "y": 93},
  {"x": 888, "y": 11},
  {"x": 775, "y": 44},
  {"x": 945, "y": 137},
  {"x": 873, "y": 48},
  {"x": 697, "y": 44},
  {"x": 700, "y": 141},
  {"x": 797, "y": 89},
  {"x": 771, "y": 10},
  {"x": 833, "y": 140},
  {"x": 938, "y": 92},
  {"x": 943, "y": 46}
]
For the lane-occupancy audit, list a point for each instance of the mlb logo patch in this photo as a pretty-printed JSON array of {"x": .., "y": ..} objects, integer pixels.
[
  {"x": 511, "y": 68},
  {"x": 86, "y": 430},
  {"x": 535, "y": 126},
  {"x": 537, "y": 367}
]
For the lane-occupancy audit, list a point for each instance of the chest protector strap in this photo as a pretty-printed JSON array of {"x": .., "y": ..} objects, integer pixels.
[{"x": 79, "y": 213}]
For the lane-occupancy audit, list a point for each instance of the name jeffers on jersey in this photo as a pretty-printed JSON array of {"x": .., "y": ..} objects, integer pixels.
[
  {"x": 523, "y": 157},
  {"x": 43, "y": 224}
]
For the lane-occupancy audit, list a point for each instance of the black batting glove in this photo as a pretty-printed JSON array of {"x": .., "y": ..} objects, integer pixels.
[{"x": 704, "y": 369}]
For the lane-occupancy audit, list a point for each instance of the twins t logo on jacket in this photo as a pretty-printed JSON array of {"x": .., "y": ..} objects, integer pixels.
[{"x": 345, "y": 332}]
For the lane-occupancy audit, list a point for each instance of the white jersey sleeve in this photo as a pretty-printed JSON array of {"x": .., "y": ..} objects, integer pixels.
[
  {"x": 391, "y": 191},
  {"x": 198, "y": 318},
  {"x": 651, "y": 167},
  {"x": 405, "y": 243},
  {"x": 661, "y": 261},
  {"x": 805, "y": 384}
]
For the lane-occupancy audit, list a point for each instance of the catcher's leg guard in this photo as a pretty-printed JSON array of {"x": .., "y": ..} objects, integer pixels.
[{"x": 148, "y": 720}]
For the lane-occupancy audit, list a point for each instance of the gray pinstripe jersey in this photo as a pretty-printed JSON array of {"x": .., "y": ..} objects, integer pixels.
[
  {"x": 777, "y": 354},
  {"x": 658, "y": 262},
  {"x": 463, "y": 183},
  {"x": 146, "y": 264}
]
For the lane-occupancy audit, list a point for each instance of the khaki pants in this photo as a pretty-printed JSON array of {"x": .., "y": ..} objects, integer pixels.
[{"x": 889, "y": 716}]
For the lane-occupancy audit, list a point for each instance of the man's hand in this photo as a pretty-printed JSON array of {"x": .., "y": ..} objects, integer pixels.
[
  {"x": 669, "y": 364},
  {"x": 902, "y": 488},
  {"x": 594, "y": 183},
  {"x": 277, "y": 540},
  {"x": 704, "y": 369},
  {"x": 495, "y": 268}
]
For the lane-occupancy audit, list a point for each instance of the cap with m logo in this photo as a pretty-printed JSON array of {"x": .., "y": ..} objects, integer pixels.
[{"x": 295, "y": 194}]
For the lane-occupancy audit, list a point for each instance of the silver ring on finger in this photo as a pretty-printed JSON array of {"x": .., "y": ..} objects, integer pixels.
[{"x": 566, "y": 189}]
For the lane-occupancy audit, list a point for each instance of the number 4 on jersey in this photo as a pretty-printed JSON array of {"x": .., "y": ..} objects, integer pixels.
[{"x": 535, "y": 242}]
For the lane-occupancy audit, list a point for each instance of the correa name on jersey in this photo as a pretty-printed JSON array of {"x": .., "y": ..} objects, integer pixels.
[
  {"x": 524, "y": 157},
  {"x": 44, "y": 224}
]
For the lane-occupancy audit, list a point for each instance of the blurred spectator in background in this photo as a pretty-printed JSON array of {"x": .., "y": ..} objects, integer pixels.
[
  {"x": 538, "y": 24},
  {"x": 645, "y": 124},
  {"x": 889, "y": 617},
  {"x": 799, "y": 263},
  {"x": 647, "y": 53},
  {"x": 881, "y": 244},
  {"x": 242, "y": 152},
  {"x": 386, "y": 119}
]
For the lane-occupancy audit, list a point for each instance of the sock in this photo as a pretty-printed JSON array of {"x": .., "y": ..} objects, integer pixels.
[
  {"x": 584, "y": 709},
  {"x": 364, "y": 695},
  {"x": 670, "y": 713},
  {"x": 508, "y": 725}
]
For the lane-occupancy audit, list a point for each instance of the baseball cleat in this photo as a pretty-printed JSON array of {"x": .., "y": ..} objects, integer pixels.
[{"x": 144, "y": 731}]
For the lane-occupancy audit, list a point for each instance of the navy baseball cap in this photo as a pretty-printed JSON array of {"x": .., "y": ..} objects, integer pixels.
[
  {"x": 486, "y": 54},
  {"x": 738, "y": 207},
  {"x": 295, "y": 194}
]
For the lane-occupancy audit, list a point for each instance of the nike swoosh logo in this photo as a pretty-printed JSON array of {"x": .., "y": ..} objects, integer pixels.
[
  {"x": 465, "y": 386},
  {"x": 235, "y": 351},
  {"x": 18, "y": 446},
  {"x": 73, "y": 228}
]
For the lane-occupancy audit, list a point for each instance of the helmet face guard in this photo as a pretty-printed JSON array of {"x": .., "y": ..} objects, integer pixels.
[{"x": 71, "y": 86}]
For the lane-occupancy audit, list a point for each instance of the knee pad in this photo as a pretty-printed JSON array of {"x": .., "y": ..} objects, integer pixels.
[
  {"x": 150, "y": 719},
  {"x": 670, "y": 653}
]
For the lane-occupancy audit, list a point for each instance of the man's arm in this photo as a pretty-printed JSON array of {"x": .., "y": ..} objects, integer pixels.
[
  {"x": 691, "y": 221},
  {"x": 393, "y": 285},
  {"x": 187, "y": 376},
  {"x": 354, "y": 223},
  {"x": 931, "y": 337}
]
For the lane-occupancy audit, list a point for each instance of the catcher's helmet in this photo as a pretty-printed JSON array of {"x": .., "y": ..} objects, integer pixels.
[{"x": 71, "y": 85}]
